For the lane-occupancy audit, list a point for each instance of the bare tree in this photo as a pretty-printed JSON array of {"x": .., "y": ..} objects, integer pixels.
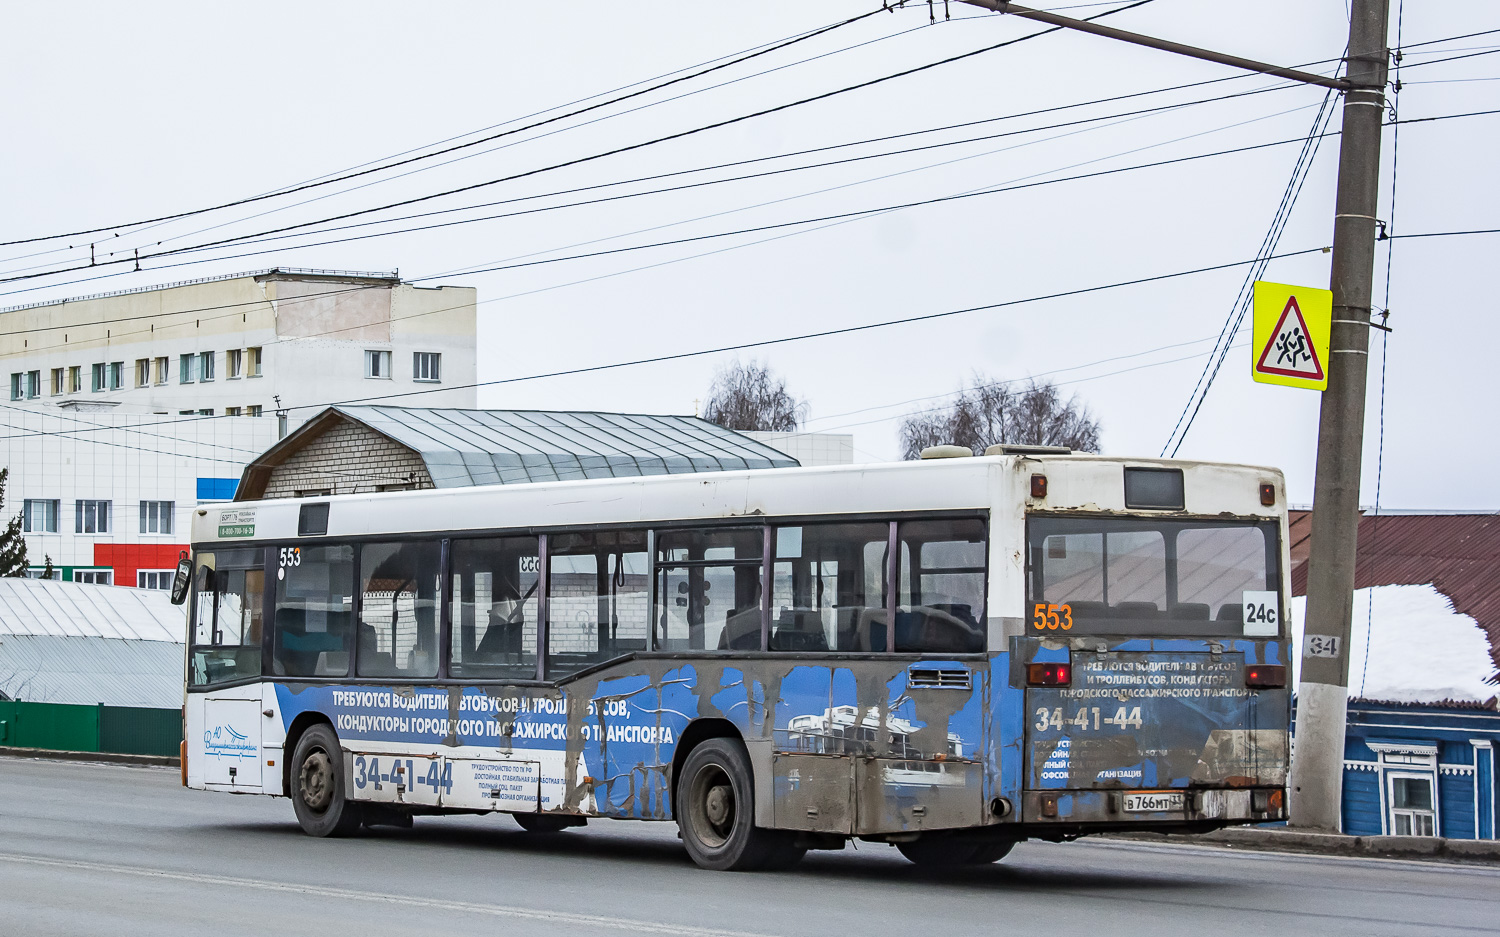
[
  {"x": 987, "y": 413},
  {"x": 750, "y": 397},
  {"x": 12, "y": 544}
]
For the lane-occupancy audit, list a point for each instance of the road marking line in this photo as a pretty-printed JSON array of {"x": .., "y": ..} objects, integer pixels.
[{"x": 493, "y": 910}]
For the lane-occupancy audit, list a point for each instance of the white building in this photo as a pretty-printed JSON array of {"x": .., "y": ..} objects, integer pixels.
[
  {"x": 235, "y": 345},
  {"x": 126, "y": 409}
]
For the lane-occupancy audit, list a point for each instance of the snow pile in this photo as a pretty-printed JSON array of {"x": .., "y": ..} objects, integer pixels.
[{"x": 1419, "y": 649}]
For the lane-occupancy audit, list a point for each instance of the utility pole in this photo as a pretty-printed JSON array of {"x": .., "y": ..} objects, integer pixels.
[{"x": 1323, "y": 690}]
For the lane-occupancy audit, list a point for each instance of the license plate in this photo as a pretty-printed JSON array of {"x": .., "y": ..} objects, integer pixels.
[{"x": 1153, "y": 801}]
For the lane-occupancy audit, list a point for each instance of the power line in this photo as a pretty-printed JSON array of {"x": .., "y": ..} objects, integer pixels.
[
  {"x": 363, "y": 172},
  {"x": 595, "y": 156}
]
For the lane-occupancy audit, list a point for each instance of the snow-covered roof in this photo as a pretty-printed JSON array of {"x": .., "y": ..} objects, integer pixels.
[
  {"x": 1409, "y": 645},
  {"x": 73, "y": 609}
]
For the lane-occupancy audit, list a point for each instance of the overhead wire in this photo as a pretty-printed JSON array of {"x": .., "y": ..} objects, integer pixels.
[{"x": 715, "y": 125}]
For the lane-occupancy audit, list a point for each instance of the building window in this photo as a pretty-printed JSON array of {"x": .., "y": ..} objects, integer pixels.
[
  {"x": 206, "y": 366},
  {"x": 426, "y": 366},
  {"x": 254, "y": 410},
  {"x": 40, "y": 516},
  {"x": 15, "y": 385},
  {"x": 253, "y": 368},
  {"x": 116, "y": 375},
  {"x": 378, "y": 365},
  {"x": 33, "y": 384},
  {"x": 99, "y": 377},
  {"x": 142, "y": 372},
  {"x": 91, "y": 517},
  {"x": 187, "y": 369},
  {"x": 75, "y": 379},
  {"x": 154, "y": 579},
  {"x": 59, "y": 380},
  {"x": 156, "y": 517},
  {"x": 36, "y": 572},
  {"x": 161, "y": 370},
  {"x": 233, "y": 411},
  {"x": 1412, "y": 811},
  {"x": 234, "y": 360},
  {"x": 207, "y": 411},
  {"x": 98, "y": 577}
]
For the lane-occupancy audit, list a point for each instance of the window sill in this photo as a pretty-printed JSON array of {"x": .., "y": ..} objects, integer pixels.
[
  {"x": 252, "y": 375},
  {"x": 425, "y": 380}
]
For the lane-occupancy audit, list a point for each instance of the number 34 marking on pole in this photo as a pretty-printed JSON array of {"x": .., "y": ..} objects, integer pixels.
[
  {"x": 1045, "y": 617},
  {"x": 1320, "y": 645}
]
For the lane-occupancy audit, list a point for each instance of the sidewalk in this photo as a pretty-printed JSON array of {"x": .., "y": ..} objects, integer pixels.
[
  {"x": 107, "y": 757},
  {"x": 1281, "y": 839}
]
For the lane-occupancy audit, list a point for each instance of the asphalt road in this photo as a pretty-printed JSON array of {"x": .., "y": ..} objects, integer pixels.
[{"x": 101, "y": 849}]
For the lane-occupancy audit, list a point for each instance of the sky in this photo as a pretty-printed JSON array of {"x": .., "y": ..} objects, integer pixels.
[{"x": 114, "y": 114}]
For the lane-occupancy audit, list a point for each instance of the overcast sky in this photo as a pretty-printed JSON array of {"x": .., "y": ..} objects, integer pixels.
[{"x": 115, "y": 113}]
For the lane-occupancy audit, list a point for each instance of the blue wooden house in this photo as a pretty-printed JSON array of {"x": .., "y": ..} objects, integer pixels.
[{"x": 1423, "y": 722}]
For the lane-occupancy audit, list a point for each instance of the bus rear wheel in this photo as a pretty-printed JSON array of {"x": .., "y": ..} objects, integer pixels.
[
  {"x": 946, "y": 853},
  {"x": 318, "y": 795},
  {"x": 716, "y": 813}
]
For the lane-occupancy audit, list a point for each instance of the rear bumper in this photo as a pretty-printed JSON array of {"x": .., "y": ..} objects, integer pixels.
[{"x": 1203, "y": 809}]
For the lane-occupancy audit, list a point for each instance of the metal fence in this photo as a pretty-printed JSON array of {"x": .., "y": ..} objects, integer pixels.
[{"x": 73, "y": 728}]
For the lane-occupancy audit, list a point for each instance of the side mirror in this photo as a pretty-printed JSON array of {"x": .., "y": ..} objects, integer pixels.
[{"x": 182, "y": 580}]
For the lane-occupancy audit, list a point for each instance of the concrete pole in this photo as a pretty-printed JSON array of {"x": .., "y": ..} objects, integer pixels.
[{"x": 1323, "y": 689}]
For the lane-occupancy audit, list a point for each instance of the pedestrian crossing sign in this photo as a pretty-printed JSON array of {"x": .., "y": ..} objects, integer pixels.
[{"x": 1291, "y": 335}]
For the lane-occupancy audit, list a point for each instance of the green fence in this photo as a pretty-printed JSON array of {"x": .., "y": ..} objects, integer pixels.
[{"x": 115, "y": 729}]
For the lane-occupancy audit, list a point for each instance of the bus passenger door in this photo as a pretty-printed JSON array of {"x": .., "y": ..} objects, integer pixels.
[{"x": 231, "y": 744}]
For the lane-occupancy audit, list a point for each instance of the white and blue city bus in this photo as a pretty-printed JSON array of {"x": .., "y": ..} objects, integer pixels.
[{"x": 947, "y": 655}]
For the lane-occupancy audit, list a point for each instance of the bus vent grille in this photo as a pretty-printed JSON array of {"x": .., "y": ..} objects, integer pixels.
[{"x": 941, "y": 679}]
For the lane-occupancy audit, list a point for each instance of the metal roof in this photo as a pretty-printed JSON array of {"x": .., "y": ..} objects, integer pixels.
[
  {"x": 292, "y": 272},
  {"x": 112, "y": 671},
  {"x": 1458, "y": 553},
  {"x": 504, "y": 447},
  {"x": 68, "y": 642},
  {"x": 73, "y": 609}
]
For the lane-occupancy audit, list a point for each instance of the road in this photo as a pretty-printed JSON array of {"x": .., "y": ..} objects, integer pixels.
[{"x": 103, "y": 849}]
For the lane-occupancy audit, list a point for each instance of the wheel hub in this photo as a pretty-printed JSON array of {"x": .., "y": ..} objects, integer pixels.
[
  {"x": 719, "y": 805},
  {"x": 316, "y": 781}
]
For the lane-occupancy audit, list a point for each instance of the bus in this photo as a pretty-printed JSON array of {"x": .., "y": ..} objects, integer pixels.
[{"x": 948, "y": 655}]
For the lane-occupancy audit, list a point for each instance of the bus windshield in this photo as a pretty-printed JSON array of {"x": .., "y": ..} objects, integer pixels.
[{"x": 1138, "y": 576}]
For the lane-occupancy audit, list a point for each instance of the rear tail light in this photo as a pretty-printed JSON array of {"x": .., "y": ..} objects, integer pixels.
[
  {"x": 1267, "y": 495},
  {"x": 1039, "y": 486},
  {"x": 1265, "y": 676},
  {"x": 1049, "y": 674}
]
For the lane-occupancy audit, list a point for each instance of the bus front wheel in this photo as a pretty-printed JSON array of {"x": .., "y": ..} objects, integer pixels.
[
  {"x": 716, "y": 813},
  {"x": 318, "y": 795}
]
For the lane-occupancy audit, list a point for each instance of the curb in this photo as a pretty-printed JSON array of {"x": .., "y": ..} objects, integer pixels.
[
  {"x": 114, "y": 758},
  {"x": 1281, "y": 839}
]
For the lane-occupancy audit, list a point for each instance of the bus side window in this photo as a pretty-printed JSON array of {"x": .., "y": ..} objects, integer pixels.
[
  {"x": 828, "y": 587},
  {"x": 314, "y": 604},
  {"x": 940, "y": 607},
  {"x": 398, "y": 609},
  {"x": 227, "y": 616},
  {"x": 495, "y": 604},
  {"x": 597, "y": 595},
  {"x": 708, "y": 588}
]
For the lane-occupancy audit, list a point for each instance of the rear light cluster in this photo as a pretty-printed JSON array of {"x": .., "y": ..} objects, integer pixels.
[
  {"x": 1265, "y": 676},
  {"x": 1060, "y": 674}
]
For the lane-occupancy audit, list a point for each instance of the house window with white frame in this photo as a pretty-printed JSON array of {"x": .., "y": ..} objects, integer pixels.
[
  {"x": 59, "y": 381},
  {"x": 97, "y": 577},
  {"x": 234, "y": 363},
  {"x": 154, "y": 579},
  {"x": 378, "y": 365},
  {"x": 1411, "y": 804},
  {"x": 253, "y": 363},
  {"x": 91, "y": 517},
  {"x": 162, "y": 364},
  {"x": 156, "y": 517},
  {"x": 39, "y": 516},
  {"x": 101, "y": 379},
  {"x": 75, "y": 378},
  {"x": 206, "y": 366},
  {"x": 427, "y": 366},
  {"x": 142, "y": 372},
  {"x": 187, "y": 370}
]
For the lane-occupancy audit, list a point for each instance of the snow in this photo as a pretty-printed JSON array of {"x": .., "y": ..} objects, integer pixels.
[{"x": 1419, "y": 649}]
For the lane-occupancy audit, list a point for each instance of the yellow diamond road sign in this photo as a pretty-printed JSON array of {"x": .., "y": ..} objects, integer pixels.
[{"x": 1291, "y": 335}]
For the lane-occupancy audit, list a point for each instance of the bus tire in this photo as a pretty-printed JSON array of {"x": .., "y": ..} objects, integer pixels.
[
  {"x": 716, "y": 813},
  {"x": 938, "y": 852},
  {"x": 318, "y": 794},
  {"x": 544, "y": 822}
]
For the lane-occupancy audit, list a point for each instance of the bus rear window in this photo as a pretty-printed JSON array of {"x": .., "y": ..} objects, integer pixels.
[{"x": 1146, "y": 577}]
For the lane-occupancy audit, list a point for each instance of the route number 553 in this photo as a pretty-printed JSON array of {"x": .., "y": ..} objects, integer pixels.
[{"x": 1047, "y": 617}]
